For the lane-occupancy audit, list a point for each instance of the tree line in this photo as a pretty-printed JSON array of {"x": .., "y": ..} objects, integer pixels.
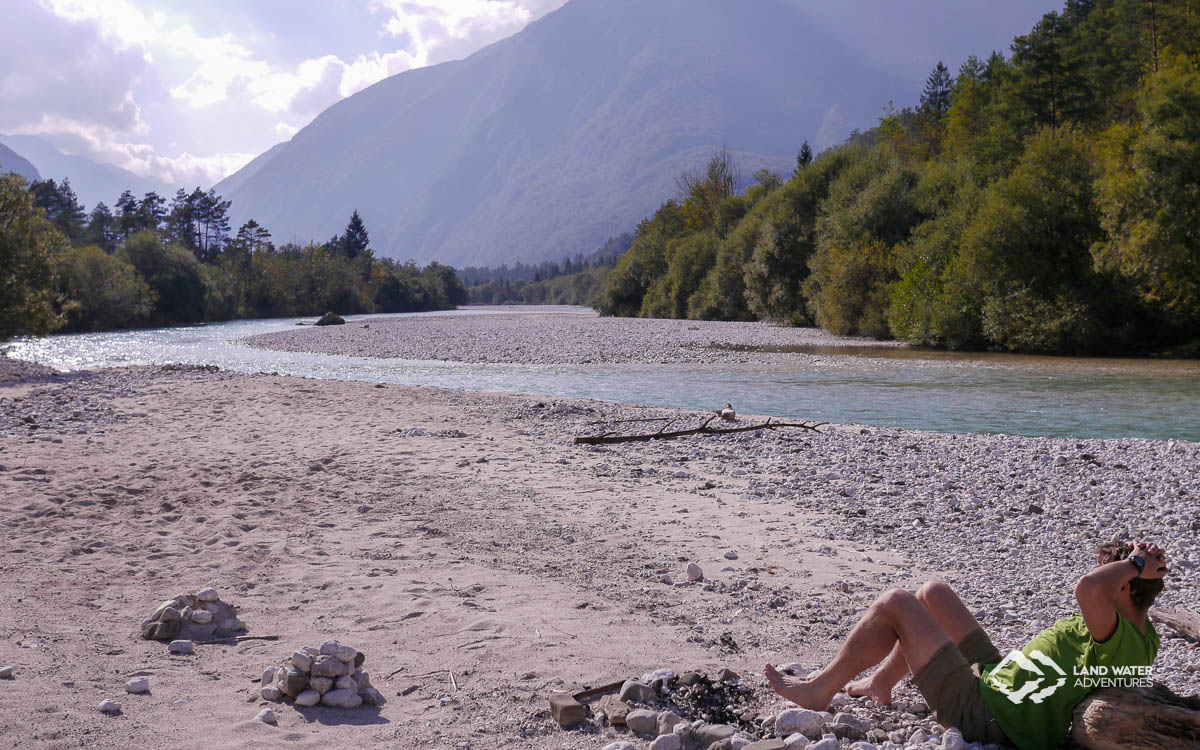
[
  {"x": 1043, "y": 202},
  {"x": 152, "y": 262},
  {"x": 572, "y": 282}
]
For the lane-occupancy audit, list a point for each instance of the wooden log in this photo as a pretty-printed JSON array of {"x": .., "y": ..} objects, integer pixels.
[
  {"x": 704, "y": 429},
  {"x": 1137, "y": 719},
  {"x": 1181, "y": 621}
]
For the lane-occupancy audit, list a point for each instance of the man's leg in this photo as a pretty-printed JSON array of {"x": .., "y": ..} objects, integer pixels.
[
  {"x": 896, "y": 618},
  {"x": 950, "y": 612}
]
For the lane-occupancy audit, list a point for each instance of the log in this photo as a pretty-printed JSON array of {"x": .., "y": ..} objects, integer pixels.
[
  {"x": 1181, "y": 621},
  {"x": 1151, "y": 718},
  {"x": 703, "y": 429}
]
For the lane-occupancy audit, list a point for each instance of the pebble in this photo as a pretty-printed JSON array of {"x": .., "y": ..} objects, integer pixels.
[
  {"x": 731, "y": 555},
  {"x": 827, "y": 743},
  {"x": 302, "y": 661},
  {"x": 341, "y": 699},
  {"x": 268, "y": 675},
  {"x": 6, "y": 673},
  {"x": 642, "y": 721},
  {"x": 667, "y": 742},
  {"x": 202, "y": 616},
  {"x": 181, "y": 647},
  {"x": 795, "y": 741},
  {"x": 695, "y": 572},
  {"x": 271, "y": 693},
  {"x": 109, "y": 707},
  {"x": 207, "y": 594},
  {"x": 636, "y": 692},
  {"x": 308, "y": 698},
  {"x": 137, "y": 685},
  {"x": 953, "y": 740},
  {"x": 321, "y": 684},
  {"x": 800, "y": 720},
  {"x": 620, "y": 745},
  {"x": 266, "y": 716}
]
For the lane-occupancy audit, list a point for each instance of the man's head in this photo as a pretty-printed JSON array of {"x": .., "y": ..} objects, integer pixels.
[{"x": 1142, "y": 591}]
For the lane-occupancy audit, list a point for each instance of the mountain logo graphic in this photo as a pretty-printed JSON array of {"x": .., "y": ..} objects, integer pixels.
[{"x": 1032, "y": 690}]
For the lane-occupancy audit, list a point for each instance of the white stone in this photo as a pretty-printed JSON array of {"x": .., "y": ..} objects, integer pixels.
[
  {"x": 232, "y": 625},
  {"x": 667, "y": 721},
  {"x": 620, "y": 745},
  {"x": 802, "y": 720},
  {"x": 346, "y": 682},
  {"x": 828, "y": 743},
  {"x": 321, "y": 684},
  {"x": 737, "y": 742},
  {"x": 666, "y": 742},
  {"x": 695, "y": 572},
  {"x": 345, "y": 653},
  {"x": 109, "y": 707},
  {"x": 642, "y": 720},
  {"x": 863, "y": 745},
  {"x": 308, "y": 698},
  {"x": 953, "y": 740},
  {"x": 328, "y": 648},
  {"x": 211, "y": 607},
  {"x": 795, "y": 741},
  {"x": 271, "y": 693},
  {"x": 137, "y": 685},
  {"x": 362, "y": 678},
  {"x": 731, "y": 555},
  {"x": 918, "y": 736},
  {"x": 266, "y": 716},
  {"x": 207, "y": 594},
  {"x": 168, "y": 604},
  {"x": 6, "y": 673},
  {"x": 341, "y": 699},
  {"x": 181, "y": 647},
  {"x": 202, "y": 617},
  {"x": 269, "y": 674},
  {"x": 302, "y": 661}
]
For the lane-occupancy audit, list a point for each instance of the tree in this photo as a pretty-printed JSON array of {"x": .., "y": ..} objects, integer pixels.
[
  {"x": 30, "y": 248},
  {"x": 804, "y": 158},
  {"x": 703, "y": 192},
  {"x": 355, "y": 240},
  {"x": 253, "y": 237},
  {"x": 935, "y": 99},
  {"x": 102, "y": 228},
  {"x": 173, "y": 273},
  {"x": 108, "y": 292},
  {"x": 61, "y": 206}
]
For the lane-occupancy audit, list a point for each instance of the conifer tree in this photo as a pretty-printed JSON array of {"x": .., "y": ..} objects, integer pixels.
[{"x": 355, "y": 239}]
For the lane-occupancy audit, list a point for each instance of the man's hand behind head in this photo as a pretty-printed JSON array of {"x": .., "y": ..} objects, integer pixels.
[{"x": 1155, "y": 557}]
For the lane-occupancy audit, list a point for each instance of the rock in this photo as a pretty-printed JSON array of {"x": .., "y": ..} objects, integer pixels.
[
  {"x": 231, "y": 625},
  {"x": 6, "y": 673},
  {"x": 850, "y": 726},
  {"x": 667, "y": 742},
  {"x": 665, "y": 579},
  {"x": 266, "y": 716},
  {"x": 346, "y": 654},
  {"x": 137, "y": 685},
  {"x": 372, "y": 697},
  {"x": 362, "y": 678},
  {"x": 185, "y": 614},
  {"x": 620, "y": 745},
  {"x": 614, "y": 708},
  {"x": 346, "y": 682},
  {"x": 642, "y": 721},
  {"x": 695, "y": 572},
  {"x": 170, "y": 614},
  {"x": 359, "y": 658},
  {"x": 308, "y": 698},
  {"x": 207, "y": 594},
  {"x": 731, "y": 555},
  {"x": 795, "y": 741},
  {"x": 341, "y": 699},
  {"x": 918, "y": 736},
  {"x": 271, "y": 693},
  {"x": 636, "y": 692},
  {"x": 828, "y": 743},
  {"x": 302, "y": 661},
  {"x": 321, "y": 684},
  {"x": 727, "y": 675},
  {"x": 802, "y": 720},
  {"x": 312, "y": 651},
  {"x": 181, "y": 647},
  {"x": 295, "y": 682},
  {"x": 953, "y": 740},
  {"x": 667, "y": 721},
  {"x": 862, "y": 745},
  {"x": 109, "y": 707},
  {"x": 329, "y": 666},
  {"x": 774, "y": 744},
  {"x": 168, "y": 604},
  {"x": 707, "y": 734},
  {"x": 162, "y": 631},
  {"x": 269, "y": 674},
  {"x": 330, "y": 319},
  {"x": 566, "y": 710},
  {"x": 691, "y": 679},
  {"x": 202, "y": 617}
]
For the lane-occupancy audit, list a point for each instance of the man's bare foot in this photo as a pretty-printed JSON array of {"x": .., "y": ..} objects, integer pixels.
[
  {"x": 866, "y": 686},
  {"x": 806, "y": 693}
]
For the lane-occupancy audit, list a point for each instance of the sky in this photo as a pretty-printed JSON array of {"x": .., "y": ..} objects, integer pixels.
[{"x": 187, "y": 92}]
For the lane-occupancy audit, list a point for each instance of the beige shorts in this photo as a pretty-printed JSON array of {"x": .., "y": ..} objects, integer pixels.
[{"x": 950, "y": 684}]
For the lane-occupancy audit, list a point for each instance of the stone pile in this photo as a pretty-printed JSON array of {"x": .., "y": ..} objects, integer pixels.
[
  {"x": 331, "y": 675},
  {"x": 198, "y": 616}
]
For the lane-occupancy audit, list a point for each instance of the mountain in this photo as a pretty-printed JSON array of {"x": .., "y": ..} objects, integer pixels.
[
  {"x": 551, "y": 141},
  {"x": 92, "y": 181},
  {"x": 11, "y": 161},
  {"x": 238, "y": 178}
]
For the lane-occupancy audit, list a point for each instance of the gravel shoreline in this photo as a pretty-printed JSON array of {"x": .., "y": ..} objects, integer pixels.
[
  {"x": 821, "y": 524},
  {"x": 558, "y": 338}
]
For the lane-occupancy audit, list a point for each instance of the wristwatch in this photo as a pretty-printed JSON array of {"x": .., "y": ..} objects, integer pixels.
[{"x": 1138, "y": 563}]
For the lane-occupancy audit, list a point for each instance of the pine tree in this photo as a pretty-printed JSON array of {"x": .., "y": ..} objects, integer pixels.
[
  {"x": 355, "y": 239},
  {"x": 805, "y": 157},
  {"x": 935, "y": 99}
]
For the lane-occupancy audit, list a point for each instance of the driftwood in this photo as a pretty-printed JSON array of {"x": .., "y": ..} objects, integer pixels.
[
  {"x": 1137, "y": 719},
  {"x": 610, "y": 687},
  {"x": 1181, "y": 621},
  {"x": 703, "y": 429},
  {"x": 237, "y": 639}
]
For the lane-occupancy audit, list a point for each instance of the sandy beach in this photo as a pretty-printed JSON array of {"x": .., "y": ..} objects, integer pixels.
[{"x": 480, "y": 560}]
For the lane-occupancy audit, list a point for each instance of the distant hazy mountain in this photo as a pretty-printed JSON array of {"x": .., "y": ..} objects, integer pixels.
[
  {"x": 551, "y": 141},
  {"x": 11, "y": 161},
  {"x": 92, "y": 181},
  {"x": 238, "y": 178}
]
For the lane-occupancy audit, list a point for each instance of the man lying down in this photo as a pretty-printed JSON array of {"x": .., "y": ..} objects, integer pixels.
[{"x": 1024, "y": 699}]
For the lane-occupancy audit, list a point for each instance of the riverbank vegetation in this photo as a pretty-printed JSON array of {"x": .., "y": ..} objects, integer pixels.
[
  {"x": 1044, "y": 202},
  {"x": 154, "y": 263}
]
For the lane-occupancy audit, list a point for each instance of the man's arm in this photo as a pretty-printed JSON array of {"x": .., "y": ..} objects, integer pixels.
[{"x": 1097, "y": 591}]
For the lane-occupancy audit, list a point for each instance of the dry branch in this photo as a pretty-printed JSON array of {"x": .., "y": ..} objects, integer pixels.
[
  {"x": 1137, "y": 719},
  {"x": 1181, "y": 621},
  {"x": 238, "y": 639},
  {"x": 703, "y": 429}
]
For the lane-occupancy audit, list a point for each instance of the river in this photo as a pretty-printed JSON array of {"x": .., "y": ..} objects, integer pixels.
[{"x": 908, "y": 388}]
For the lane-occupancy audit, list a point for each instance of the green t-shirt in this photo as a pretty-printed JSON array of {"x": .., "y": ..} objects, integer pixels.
[{"x": 1032, "y": 693}]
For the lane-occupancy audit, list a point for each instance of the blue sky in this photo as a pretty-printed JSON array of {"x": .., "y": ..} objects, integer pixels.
[{"x": 188, "y": 91}]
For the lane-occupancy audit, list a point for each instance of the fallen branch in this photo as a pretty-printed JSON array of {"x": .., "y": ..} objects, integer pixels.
[
  {"x": 703, "y": 429},
  {"x": 237, "y": 639},
  {"x": 640, "y": 419},
  {"x": 1137, "y": 719},
  {"x": 611, "y": 687},
  {"x": 1181, "y": 621}
]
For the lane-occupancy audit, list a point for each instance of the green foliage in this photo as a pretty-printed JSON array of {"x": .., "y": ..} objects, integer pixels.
[
  {"x": 107, "y": 291},
  {"x": 30, "y": 248},
  {"x": 173, "y": 274}
]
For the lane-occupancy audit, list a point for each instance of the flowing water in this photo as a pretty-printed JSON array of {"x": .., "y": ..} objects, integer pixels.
[{"x": 910, "y": 388}]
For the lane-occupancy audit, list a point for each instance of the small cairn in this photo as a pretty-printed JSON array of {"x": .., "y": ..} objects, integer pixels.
[
  {"x": 331, "y": 675},
  {"x": 197, "y": 616}
]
